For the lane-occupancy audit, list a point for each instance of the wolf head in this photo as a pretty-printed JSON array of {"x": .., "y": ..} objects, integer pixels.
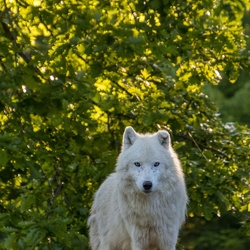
[{"x": 147, "y": 163}]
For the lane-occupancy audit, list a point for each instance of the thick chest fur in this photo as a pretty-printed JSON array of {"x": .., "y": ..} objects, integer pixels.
[{"x": 147, "y": 212}]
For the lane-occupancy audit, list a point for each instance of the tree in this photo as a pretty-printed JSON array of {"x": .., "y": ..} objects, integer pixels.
[{"x": 75, "y": 73}]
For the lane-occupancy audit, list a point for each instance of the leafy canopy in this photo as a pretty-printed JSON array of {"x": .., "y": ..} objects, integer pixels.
[{"x": 74, "y": 73}]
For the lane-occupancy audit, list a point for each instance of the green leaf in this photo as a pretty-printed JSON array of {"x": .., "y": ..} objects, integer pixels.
[
  {"x": 3, "y": 158},
  {"x": 35, "y": 236}
]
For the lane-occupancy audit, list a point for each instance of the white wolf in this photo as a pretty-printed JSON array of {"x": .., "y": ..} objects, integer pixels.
[{"x": 143, "y": 204}]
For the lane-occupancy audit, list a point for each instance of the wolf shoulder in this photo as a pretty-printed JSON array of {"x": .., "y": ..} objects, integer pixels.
[{"x": 106, "y": 193}]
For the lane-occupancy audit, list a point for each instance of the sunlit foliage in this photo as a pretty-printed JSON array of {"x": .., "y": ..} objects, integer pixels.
[{"x": 74, "y": 73}]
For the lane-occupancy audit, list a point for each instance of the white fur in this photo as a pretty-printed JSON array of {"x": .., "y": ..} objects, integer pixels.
[{"x": 123, "y": 215}]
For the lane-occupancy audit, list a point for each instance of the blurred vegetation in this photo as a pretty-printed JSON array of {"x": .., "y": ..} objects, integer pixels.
[
  {"x": 233, "y": 99},
  {"x": 74, "y": 73}
]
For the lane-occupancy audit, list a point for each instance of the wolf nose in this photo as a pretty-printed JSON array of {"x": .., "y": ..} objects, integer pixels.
[{"x": 147, "y": 185}]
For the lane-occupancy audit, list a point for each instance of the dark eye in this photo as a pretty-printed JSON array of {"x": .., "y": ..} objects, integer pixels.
[
  {"x": 137, "y": 164},
  {"x": 156, "y": 164}
]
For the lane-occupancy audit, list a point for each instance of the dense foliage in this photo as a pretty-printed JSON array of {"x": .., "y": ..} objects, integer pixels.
[{"x": 74, "y": 73}]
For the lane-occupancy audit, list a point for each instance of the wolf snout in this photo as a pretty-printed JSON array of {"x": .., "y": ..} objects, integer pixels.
[{"x": 147, "y": 185}]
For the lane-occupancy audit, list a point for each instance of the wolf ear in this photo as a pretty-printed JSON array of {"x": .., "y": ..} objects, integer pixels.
[
  {"x": 129, "y": 137},
  {"x": 164, "y": 138}
]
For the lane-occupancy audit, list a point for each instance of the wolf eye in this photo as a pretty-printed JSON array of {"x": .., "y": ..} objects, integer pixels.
[
  {"x": 156, "y": 164},
  {"x": 137, "y": 164}
]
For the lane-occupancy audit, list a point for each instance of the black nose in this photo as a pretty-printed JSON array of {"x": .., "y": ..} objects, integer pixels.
[{"x": 147, "y": 185}]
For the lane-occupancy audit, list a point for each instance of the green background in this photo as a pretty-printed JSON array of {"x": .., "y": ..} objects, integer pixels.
[{"x": 74, "y": 74}]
